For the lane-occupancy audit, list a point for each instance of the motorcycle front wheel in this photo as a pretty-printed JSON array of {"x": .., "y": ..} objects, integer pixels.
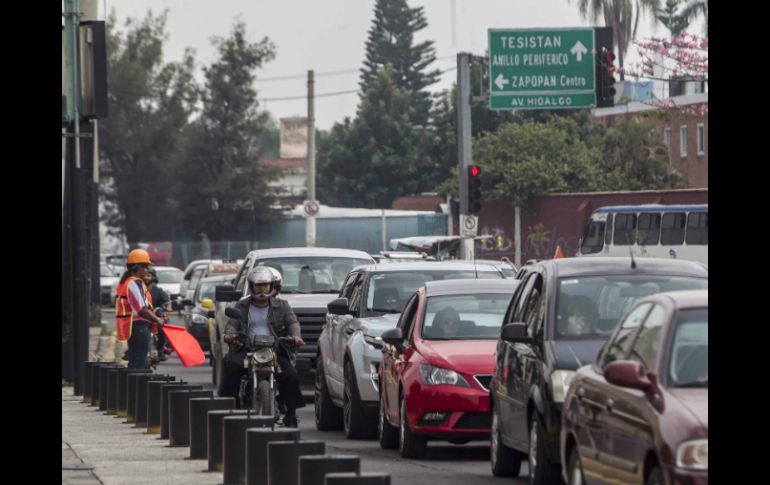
[{"x": 265, "y": 398}]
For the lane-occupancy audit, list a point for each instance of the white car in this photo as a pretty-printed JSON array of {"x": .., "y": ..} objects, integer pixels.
[
  {"x": 107, "y": 279},
  {"x": 169, "y": 279}
]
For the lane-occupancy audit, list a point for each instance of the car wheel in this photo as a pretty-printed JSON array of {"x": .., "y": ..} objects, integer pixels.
[
  {"x": 386, "y": 432},
  {"x": 505, "y": 462},
  {"x": 575, "y": 469},
  {"x": 541, "y": 470},
  {"x": 409, "y": 445},
  {"x": 328, "y": 417},
  {"x": 654, "y": 477},
  {"x": 355, "y": 422}
]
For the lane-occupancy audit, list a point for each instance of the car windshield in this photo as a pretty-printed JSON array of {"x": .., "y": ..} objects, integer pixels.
[
  {"x": 507, "y": 271},
  {"x": 207, "y": 290},
  {"x": 312, "y": 274},
  {"x": 465, "y": 317},
  {"x": 170, "y": 276},
  {"x": 689, "y": 362},
  {"x": 105, "y": 270},
  {"x": 388, "y": 291},
  {"x": 590, "y": 306}
]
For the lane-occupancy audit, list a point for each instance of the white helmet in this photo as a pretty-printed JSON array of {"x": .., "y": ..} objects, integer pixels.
[
  {"x": 262, "y": 275},
  {"x": 276, "y": 279}
]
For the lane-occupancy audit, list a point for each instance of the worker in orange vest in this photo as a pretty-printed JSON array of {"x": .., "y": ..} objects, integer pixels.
[{"x": 133, "y": 309}]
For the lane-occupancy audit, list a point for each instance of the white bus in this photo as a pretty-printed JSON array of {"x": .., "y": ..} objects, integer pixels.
[{"x": 649, "y": 230}]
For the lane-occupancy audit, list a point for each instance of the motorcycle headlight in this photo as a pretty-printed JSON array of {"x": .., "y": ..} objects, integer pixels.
[
  {"x": 436, "y": 375},
  {"x": 263, "y": 356},
  {"x": 198, "y": 318},
  {"x": 693, "y": 455},
  {"x": 560, "y": 381},
  {"x": 375, "y": 342}
]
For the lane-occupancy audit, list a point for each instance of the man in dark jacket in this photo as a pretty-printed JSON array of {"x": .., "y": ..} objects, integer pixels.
[
  {"x": 160, "y": 299},
  {"x": 262, "y": 314}
]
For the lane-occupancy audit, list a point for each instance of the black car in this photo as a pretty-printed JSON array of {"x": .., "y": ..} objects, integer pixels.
[{"x": 560, "y": 316}]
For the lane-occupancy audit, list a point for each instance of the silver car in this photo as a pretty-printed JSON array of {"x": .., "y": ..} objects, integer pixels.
[{"x": 349, "y": 347}]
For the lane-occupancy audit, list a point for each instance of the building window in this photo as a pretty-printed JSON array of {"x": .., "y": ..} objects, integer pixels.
[
  {"x": 683, "y": 141},
  {"x": 667, "y": 136},
  {"x": 701, "y": 139}
]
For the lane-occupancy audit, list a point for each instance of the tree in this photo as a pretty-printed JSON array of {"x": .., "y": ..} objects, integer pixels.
[
  {"x": 672, "y": 17},
  {"x": 371, "y": 160},
  {"x": 622, "y": 16},
  {"x": 225, "y": 191},
  {"x": 391, "y": 41},
  {"x": 150, "y": 103}
]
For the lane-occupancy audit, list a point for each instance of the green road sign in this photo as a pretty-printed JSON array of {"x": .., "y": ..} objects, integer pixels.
[{"x": 542, "y": 68}]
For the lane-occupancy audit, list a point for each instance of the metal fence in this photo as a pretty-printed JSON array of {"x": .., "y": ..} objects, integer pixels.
[{"x": 365, "y": 234}]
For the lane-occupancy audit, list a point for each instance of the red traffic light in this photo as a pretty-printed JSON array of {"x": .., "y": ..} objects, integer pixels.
[
  {"x": 474, "y": 170},
  {"x": 610, "y": 57}
]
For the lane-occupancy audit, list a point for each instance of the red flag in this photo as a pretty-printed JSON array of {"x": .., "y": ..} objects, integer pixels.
[{"x": 186, "y": 346}]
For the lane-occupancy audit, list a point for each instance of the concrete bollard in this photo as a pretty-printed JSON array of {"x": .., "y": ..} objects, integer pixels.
[
  {"x": 199, "y": 407},
  {"x": 101, "y": 385},
  {"x": 93, "y": 383},
  {"x": 313, "y": 468},
  {"x": 234, "y": 444},
  {"x": 164, "y": 407},
  {"x": 122, "y": 408},
  {"x": 141, "y": 401},
  {"x": 112, "y": 389},
  {"x": 179, "y": 415},
  {"x": 131, "y": 380},
  {"x": 215, "y": 423},
  {"x": 85, "y": 389},
  {"x": 257, "y": 440},
  {"x": 369, "y": 478},
  {"x": 152, "y": 410},
  {"x": 283, "y": 459}
]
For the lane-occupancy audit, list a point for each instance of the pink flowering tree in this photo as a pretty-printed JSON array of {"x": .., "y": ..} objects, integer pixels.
[{"x": 684, "y": 57}]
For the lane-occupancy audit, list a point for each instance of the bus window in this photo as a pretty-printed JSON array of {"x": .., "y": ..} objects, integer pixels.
[
  {"x": 672, "y": 228},
  {"x": 649, "y": 228},
  {"x": 608, "y": 231},
  {"x": 593, "y": 238},
  {"x": 698, "y": 228},
  {"x": 625, "y": 225}
]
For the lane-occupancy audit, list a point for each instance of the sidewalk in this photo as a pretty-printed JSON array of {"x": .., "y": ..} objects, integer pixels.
[{"x": 119, "y": 453}]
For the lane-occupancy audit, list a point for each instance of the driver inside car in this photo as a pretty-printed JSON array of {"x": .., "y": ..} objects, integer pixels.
[{"x": 264, "y": 314}]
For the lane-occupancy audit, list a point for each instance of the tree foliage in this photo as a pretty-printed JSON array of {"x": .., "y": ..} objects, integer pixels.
[
  {"x": 150, "y": 102},
  {"x": 225, "y": 188}
]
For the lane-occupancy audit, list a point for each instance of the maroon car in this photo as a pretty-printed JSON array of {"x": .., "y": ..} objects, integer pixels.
[{"x": 639, "y": 414}]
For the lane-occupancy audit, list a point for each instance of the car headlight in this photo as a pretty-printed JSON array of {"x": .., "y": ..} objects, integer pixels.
[
  {"x": 693, "y": 455},
  {"x": 436, "y": 375},
  {"x": 198, "y": 318},
  {"x": 375, "y": 342},
  {"x": 560, "y": 381}
]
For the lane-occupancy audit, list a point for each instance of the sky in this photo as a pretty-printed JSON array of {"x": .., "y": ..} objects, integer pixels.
[{"x": 329, "y": 36}]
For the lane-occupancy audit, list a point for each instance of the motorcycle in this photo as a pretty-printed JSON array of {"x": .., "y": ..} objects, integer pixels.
[{"x": 257, "y": 389}]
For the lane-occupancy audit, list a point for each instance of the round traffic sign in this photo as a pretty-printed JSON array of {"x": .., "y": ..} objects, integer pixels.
[
  {"x": 470, "y": 222},
  {"x": 311, "y": 207}
]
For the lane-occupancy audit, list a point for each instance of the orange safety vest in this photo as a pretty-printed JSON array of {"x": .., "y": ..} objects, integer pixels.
[{"x": 123, "y": 313}]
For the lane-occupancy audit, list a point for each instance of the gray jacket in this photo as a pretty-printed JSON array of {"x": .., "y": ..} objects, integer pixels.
[{"x": 280, "y": 317}]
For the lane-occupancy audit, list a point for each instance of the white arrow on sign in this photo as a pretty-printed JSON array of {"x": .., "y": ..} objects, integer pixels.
[
  {"x": 501, "y": 81},
  {"x": 578, "y": 50}
]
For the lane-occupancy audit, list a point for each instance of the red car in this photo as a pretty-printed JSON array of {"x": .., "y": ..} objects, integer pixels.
[
  {"x": 437, "y": 364},
  {"x": 639, "y": 414}
]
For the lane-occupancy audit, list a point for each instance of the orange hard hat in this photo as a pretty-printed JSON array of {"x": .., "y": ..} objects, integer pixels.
[{"x": 138, "y": 256}]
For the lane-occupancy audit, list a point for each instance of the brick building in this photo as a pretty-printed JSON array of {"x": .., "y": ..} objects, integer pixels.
[{"x": 685, "y": 134}]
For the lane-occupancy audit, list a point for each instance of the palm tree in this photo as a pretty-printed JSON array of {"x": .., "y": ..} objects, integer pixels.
[
  {"x": 621, "y": 15},
  {"x": 677, "y": 15},
  {"x": 695, "y": 8}
]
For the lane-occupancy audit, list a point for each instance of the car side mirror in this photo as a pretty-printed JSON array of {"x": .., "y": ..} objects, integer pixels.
[
  {"x": 226, "y": 293},
  {"x": 338, "y": 306},
  {"x": 516, "y": 333},
  {"x": 207, "y": 304},
  {"x": 233, "y": 313},
  {"x": 187, "y": 302},
  {"x": 394, "y": 337},
  {"x": 627, "y": 373},
  {"x": 212, "y": 314}
]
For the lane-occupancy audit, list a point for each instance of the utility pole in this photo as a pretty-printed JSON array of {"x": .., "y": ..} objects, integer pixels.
[
  {"x": 464, "y": 144},
  {"x": 310, "y": 218}
]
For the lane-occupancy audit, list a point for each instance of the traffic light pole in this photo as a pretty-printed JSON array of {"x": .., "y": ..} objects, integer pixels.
[{"x": 464, "y": 141}]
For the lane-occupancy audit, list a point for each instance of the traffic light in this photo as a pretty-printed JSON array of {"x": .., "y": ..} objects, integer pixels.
[
  {"x": 605, "y": 89},
  {"x": 474, "y": 189}
]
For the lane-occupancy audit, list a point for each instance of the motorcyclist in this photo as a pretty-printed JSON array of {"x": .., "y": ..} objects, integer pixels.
[
  {"x": 264, "y": 314},
  {"x": 160, "y": 299}
]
